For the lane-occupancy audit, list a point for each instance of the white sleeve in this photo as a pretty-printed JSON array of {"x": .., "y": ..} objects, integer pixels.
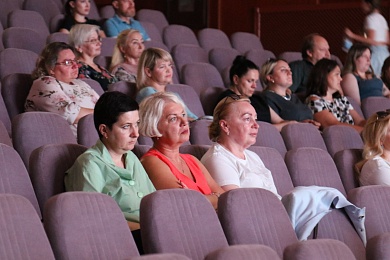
[{"x": 376, "y": 172}]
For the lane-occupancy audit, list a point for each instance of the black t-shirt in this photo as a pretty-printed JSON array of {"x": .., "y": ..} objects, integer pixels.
[{"x": 68, "y": 22}]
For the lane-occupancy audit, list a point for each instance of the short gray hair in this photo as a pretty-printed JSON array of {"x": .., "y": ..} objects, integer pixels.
[
  {"x": 151, "y": 110},
  {"x": 80, "y": 33}
]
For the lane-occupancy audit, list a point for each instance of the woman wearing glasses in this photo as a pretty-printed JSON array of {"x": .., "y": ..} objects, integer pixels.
[
  {"x": 56, "y": 87},
  {"x": 234, "y": 129},
  {"x": 87, "y": 43},
  {"x": 374, "y": 169},
  {"x": 163, "y": 118}
]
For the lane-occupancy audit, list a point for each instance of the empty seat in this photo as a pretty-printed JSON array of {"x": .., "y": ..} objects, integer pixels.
[
  {"x": 16, "y": 61},
  {"x": 197, "y": 229},
  {"x": 175, "y": 34},
  {"x": 371, "y": 105},
  {"x": 31, "y": 130},
  {"x": 7, "y": 6},
  {"x": 86, "y": 131},
  {"x": 125, "y": 87},
  {"x": 244, "y": 41},
  {"x": 302, "y": 135},
  {"x": 48, "y": 9},
  {"x": 153, "y": 16},
  {"x": 184, "y": 54},
  {"x": 22, "y": 235},
  {"x": 29, "y": 19},
  {"x": 345, "y": 161},
  {"x": 152, "y": 31},
  {"x": 222, "y": 58},
  {"x": 55, "y": 22},
  {"x": 92, "y": 220},
  {"x": 210, "y": 38},
  {"x": 196, "y": 150},
  {"x": 48, "y": 165},
  {"x": 58, "y": 37},
  {"x": 269, "y": 136},
  {"x": 341, "y": 137},
  {"x": 20, "y": 38},
  {"x": 290, "y": 56}
]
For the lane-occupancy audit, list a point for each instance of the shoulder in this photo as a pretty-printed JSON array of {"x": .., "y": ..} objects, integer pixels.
[{"x": 349, "y": 76}]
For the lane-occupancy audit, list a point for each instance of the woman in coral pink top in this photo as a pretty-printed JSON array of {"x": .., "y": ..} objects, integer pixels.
[{"x": 163, "y": 118}]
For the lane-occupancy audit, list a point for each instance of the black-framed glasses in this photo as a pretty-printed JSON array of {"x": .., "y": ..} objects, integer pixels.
[
  {"x": 382, "y": 114},
  {"x": 67, "y": 63},
  {"x": 95, "y": 41}
]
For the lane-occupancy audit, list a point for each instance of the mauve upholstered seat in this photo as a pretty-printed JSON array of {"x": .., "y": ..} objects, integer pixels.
[
  {"x": 86, "y": 131},
  {"x": 20, "y": 38},
  {"x": 269, "y": 136},
  {"x": 302, "y": 135},
  {"x": 14, "y": 60},
  {"x": 175, "y": 34},
  {"x": 345, "y": 161},
  {"x": 210, "y": 38},
  {"x": 341, "y": 137},
  {"x": 244, "y": 41},
  {"x": 188, "y": 53},
  {"x": 154, "y": 16}
]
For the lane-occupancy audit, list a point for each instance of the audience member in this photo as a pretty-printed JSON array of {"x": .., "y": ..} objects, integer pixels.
[
  {"x": 385, "y": 75},
  {"x": 123, "y": 19},
  {"x": 163, "y": 118},
  {"x": 88, "y": 44},
  {"x": 359, "y": 81},
  {"x": 127, "y": 51},
  {"x": 315, "y": 47},
  {"x": 234, "y": 129},
  {"x": 376, "y": 34},
  {"x": 325, "y": 98},
  {"x": 244, "y": 75},
  {"x": 56, "y": 87},
  {"x": 109, "y": 166},
  {"x": 374, "y": 169},
  {"x": 155, "y": 72},
  {"x": 76, "y": 13},
  {"x": 276, "y": 77}
]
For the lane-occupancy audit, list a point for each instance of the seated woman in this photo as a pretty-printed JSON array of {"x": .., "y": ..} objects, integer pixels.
[
  {"x": 243, "y": 77},
  {"x": 76, "y": 13},
  {"x": 56, "y": 87},
  {"x": 164, "y": 119},
  {"x": 110, "y": 167},
  {"x": 276, "y": 77},
  {"x": 88, "y": 44},
  {"x": 374, "y": 169},
  {"x": 325, "y": 98},
  {"x": 359, "y": 80},
  {"x": 127, "y": 51},
  {"x": 234, "y": 129},
  {"x": 155, "y": 72},
  {"x": 385, "y": 73}
]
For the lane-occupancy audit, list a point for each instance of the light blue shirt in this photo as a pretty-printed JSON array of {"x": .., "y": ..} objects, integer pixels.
[{"x": 113, "y": 26}]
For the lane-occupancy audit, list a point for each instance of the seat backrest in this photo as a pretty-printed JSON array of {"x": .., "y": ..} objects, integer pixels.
[
  {"x": 86, "y": 131},
  {"x": 201, "y": 76},
  {"x": 55, "y": 22},
  {"x": 20, "y": 38},
  {"x": 199, "y": 132},
  {"x": 248, "y": 216},
  {"x": 341, "y": 137},
  {"x": 175, "y": 34},
  {"x": 29, "y": 19},
  {"x": 269, "y": 136},
  {"x": 108, "y": 44},
  {"x": 188, "y": 212},
  {"x": 140, "y": 149},
  {"x": 290, "y": 56},
  {"x": 197, "y": 150},
  {"x": 16, "y": 61},
  {"x": 345, "y": 161},
  {"x": 355, "y": 106},
  {"x": 209, "y": 99},
  {"x": 247, "y": 252},
  {"x": 22, "y": 235},
  {"x": 94, "y": 11},
  {"x": 7, "y": 6},
  {"x": 222, "y": 57},
  {"x": 210, "y": 38},
  {"x": 94, "y": 85},
  {"x": 244, "y": 41},
  {"x": 90, "y": 219},
  {"x": 57, "y": 37},
  {"x": 189, "y": 97},
  {"x": 4, "y": 117},
  {"x": 31, "y": 130},
  {"x": 107, "y": 11},
  {"x": 274, "y": 162},
  {"x": 153, "y": 16},
  {"x": 152, "y": 31},
  {"x": 14, "y": 178},
  {"x": 371, "y": 105},
  {"x": 1, "y": 37},
  {"x": 184, "y": 54},
  {"x": 377, "y": 247},
  {"x": 48, "y": 9},
  {"x": 4, "y": 135},
  {"x": 302, "y": 135},
  {"x": 48, "y": 165},
  {"x": 125, "y": 87},
  {"x": 14, "y": 89}
]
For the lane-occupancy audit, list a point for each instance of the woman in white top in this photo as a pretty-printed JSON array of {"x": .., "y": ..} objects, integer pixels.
[
  {"x": 234, "y": 129},
  {"x": 374, "y": 169},
  {"x": 376, "y": 34}
]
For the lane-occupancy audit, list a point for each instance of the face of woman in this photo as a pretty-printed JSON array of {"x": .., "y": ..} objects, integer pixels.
[
  {"x": 173, "y": 124},
  {"x": 134, "y": 45},
  {"x": 81, "y": 7},
  {"x": 123, "y": 135},
  {"x": 246, "y": 85},
  {"x": 363, "y": 62},
  {"x": 66, "y": 68},
  {"x": 334, "y": 80},
  {"x": 162, "y": 72},
  {"x": 92, "y": 47},
  {"x": 241, "y": 124},
  {"x": 281, "y": 74}
]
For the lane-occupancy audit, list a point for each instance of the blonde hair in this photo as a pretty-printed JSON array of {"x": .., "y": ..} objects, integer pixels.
[
  {"x": 151, "y": 110},
  {"x": 267, "y": 69},
  {"x": 80, "y": 33},
  {"x": 373, "y": 134},
  {"x": 121, "y": 42},
  {"x": 149, "y": 59}
]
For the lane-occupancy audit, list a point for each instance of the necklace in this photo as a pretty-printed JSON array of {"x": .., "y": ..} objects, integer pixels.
[{"x": 286, "y": 97}]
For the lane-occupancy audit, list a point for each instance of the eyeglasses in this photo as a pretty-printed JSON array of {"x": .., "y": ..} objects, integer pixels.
[
  {"x": 382, "y": 114},
  {"x": 95, "y": 41},
  {"x": 67, "y": 63}
]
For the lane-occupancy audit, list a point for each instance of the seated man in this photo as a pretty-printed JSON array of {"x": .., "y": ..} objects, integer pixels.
[
  {"x": 123, "y": 19},
  {"x": 315, "y": 47}
]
